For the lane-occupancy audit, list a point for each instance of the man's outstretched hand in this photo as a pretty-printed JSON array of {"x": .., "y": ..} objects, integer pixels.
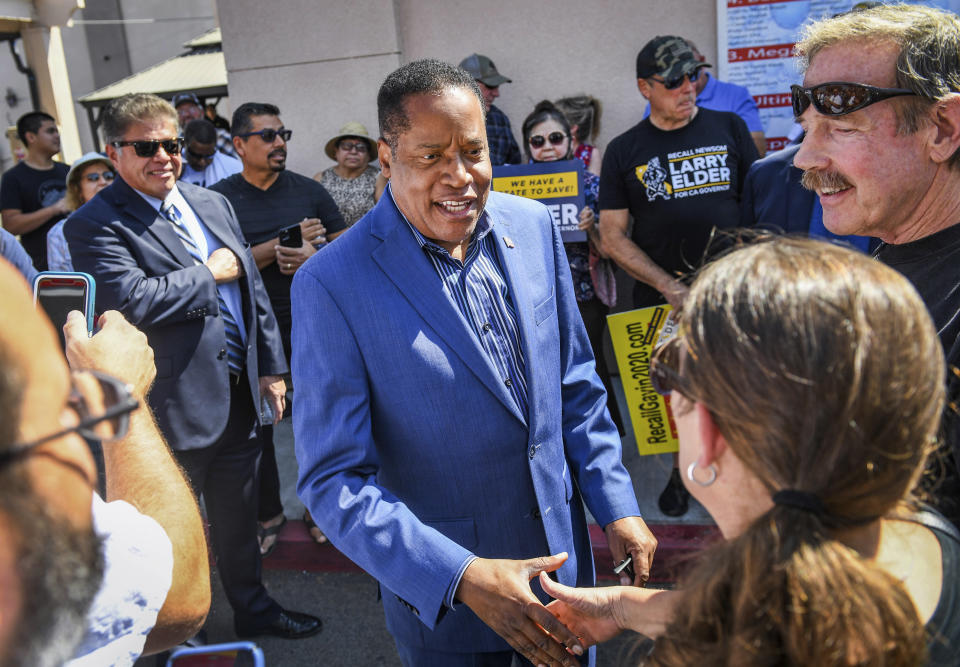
[{"x": 498, "y": 591}]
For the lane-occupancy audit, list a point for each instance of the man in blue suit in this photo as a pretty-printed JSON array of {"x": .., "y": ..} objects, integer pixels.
[
  {"x": 172, "y": 259},
  {"x": 454, "y": 424}
]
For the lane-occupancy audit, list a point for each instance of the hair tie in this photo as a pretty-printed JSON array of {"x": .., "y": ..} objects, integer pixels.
[{"x": 801, "y": 500}]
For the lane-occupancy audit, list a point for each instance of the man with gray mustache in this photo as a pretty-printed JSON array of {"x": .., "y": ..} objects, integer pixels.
[{"x": 881, "y": 113}]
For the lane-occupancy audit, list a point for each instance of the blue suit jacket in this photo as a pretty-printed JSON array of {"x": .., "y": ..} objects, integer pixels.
[
  {"x": 413, "y": 456},
  {"x": 143, "y": 270},
  {"x": 773, "y": 197}
]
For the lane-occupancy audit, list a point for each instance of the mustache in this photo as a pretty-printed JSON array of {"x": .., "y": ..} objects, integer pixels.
[
  {"x": 815, "y": 179},
  {"x": 280, "y": 152}
]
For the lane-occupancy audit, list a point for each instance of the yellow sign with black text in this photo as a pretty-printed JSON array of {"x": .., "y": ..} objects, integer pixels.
[
  {"x": 635, "y": 334},
  {"x": 540, "y": 186}
]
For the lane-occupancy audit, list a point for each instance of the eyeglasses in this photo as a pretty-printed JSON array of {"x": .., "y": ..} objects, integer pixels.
[
  {"x": 269, "y": 135},
  {"x": 200, "y": 156},
  {"x": 91, "y": 390},
  {"x": 351, "y": 146},
  {"x": 665, "y": 369},
  {"x": 671, "y": 84},
  {"x": 838, "y": 98},
  {"x": 555, "y": 139},
  {"x": 150, "y": 148},
  {"x": 96, "y": 176}
]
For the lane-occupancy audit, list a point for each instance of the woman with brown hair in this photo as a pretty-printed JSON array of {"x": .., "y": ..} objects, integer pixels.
[{"x": 807, "y": 385}]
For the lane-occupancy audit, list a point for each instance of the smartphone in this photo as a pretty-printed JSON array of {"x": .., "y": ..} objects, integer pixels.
[
  {"x": 291, "y": 237},
  {"x": 59, "y": 293}
]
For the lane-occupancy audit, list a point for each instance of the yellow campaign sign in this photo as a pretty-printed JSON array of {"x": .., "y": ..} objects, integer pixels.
[
  {"x": 635, "y": 334},
  {"x": 540, "y": 186}
]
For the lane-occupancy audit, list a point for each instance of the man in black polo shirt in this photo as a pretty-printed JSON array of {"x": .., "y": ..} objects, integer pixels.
[
  {"x": 268, "y": 198},
  {"x": 32, "y": 193}
]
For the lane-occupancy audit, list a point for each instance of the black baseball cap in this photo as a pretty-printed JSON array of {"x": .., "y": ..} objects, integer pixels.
[{"x": 668, "y": 56}]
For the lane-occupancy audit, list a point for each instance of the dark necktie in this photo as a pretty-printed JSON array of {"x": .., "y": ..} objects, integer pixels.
[{"x": 235, "y": 349}]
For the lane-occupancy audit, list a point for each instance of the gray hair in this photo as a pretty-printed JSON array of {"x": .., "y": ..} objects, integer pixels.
[
  {"x": 929, "y": 58},
  {"x": 124, "y": 111}
]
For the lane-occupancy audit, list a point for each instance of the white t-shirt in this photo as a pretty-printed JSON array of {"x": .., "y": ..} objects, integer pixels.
[{"x": 138, "y": 572}]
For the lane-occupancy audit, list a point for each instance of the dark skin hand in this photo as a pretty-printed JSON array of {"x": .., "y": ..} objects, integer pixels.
[
  {"x": 630, "y": 536},
  {"x": 498, "y": 591}
]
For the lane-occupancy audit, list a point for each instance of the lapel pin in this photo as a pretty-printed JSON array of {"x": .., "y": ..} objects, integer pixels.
[{"x": 508, "y": 241}]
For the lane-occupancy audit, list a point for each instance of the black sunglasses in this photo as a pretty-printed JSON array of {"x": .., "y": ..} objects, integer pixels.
[
  {"x": 671, "y": 84},
  {"x": 838, "y": 98},
  {"x": 200, "y": 156},
  {"x": 150, "y": 148},
  {"x": 269, "y": 135},
  {"x": 555, "y": 139},
  {"x": 665, "y": 369},
  {"x": 94, "y": 177},
  {"x": 112, "y": 424}
]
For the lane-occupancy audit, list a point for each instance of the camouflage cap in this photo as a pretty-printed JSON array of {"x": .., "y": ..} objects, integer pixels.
[{"x": 667, "y": 56}]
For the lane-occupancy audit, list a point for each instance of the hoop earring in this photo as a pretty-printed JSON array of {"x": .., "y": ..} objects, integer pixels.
[{"x": 691, "y": 470}]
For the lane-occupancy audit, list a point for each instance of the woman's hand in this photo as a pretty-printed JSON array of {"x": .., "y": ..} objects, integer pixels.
[
  {"x": 590, "y": 613},
  {"x": 588, "y": 221}
]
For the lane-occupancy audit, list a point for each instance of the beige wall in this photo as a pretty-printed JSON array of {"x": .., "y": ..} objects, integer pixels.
[
  {"x": 321, "y": 64},
  {"x": 324, "y": 60}
]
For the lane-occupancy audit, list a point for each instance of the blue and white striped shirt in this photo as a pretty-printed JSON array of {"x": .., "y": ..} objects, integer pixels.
[{"x": 479, "y": 290}]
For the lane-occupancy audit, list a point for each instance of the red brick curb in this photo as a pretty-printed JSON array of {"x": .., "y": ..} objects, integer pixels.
[{"x": 295, "y": 550}]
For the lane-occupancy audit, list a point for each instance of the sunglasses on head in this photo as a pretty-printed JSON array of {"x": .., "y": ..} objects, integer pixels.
[
  {"x": 270, "y": 135},
  {"x": 96, "y": 176},
  {"x": 150, "y": 148},
  {"x": 838, "y": 98},
  {"x": 555, "y": 139},
  {"x": 671, "y": 84},
  {"x": 665, "y": 369}
]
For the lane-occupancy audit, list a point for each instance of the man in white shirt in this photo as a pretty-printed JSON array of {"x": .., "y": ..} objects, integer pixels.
[{"x": 141, "y": 558}]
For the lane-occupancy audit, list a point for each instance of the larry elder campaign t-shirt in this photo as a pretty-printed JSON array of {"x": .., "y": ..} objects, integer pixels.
[{"x": 678, "y": 185}]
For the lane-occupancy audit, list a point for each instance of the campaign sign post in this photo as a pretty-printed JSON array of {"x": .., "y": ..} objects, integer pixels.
[
  {"x": 559, "y": 185},
  {"x": 635, "y": 334}
]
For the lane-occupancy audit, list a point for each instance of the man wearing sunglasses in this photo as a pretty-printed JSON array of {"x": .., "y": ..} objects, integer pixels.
[
  {"x": 188, "y": 109},
  {"x": 101, "y": 582},
  {"x": 725, "y": 96},
  {"x": 170, "y": 256},
  {"x": 204, "y": 164},
  {"x": 880, "y": 107},
  {"x": 269, "y": 198},
  {"x": 679, "y": 174}
]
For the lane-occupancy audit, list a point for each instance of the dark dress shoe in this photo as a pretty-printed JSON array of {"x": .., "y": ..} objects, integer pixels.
[
  {"x": 288, "y": 625},
  {"x": 675, "y": 498}
]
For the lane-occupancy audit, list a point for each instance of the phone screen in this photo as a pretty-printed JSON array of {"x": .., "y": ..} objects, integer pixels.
[{"x": 58, "y": 296}]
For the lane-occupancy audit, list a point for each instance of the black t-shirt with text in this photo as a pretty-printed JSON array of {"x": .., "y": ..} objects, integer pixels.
[
  {"x": 263, "y": 213},
  {"x": 932, "y": 264},
  {"x": 678, "y": 185},
  {"x": 29, "y": 190}
]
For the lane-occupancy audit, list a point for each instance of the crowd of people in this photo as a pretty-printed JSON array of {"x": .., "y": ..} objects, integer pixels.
[{"x": 439, "y": 349}]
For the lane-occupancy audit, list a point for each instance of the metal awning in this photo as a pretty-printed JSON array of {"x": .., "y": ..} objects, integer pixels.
[{"x": 201, "y": 71}]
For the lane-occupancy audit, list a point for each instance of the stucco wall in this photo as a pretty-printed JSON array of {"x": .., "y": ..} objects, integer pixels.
[{"x": 323, "y": 61}]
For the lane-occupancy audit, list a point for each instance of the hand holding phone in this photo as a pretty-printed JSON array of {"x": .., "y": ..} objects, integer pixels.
[
  {"x": 291, "y": 237},
  {"x": 60, "y": 292}
]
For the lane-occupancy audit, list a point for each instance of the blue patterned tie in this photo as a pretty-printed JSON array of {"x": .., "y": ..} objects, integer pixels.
[{"x": 235, "y": 349}]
